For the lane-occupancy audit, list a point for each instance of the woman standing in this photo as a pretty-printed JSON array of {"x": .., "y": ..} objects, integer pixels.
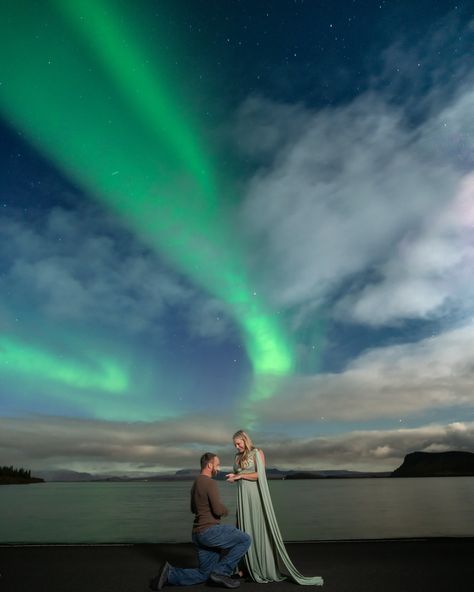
[{"x": 256, "y": 517}]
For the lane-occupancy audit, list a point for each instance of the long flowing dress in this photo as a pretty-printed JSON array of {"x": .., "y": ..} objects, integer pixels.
[{"x": 255, "y": 516}]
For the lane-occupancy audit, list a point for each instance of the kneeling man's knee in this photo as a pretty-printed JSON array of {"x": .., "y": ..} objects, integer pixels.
[{"x": 247, "y": 539}]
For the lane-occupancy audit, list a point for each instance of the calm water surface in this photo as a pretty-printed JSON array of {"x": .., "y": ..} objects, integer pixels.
[{"x": 306, "y": 510}]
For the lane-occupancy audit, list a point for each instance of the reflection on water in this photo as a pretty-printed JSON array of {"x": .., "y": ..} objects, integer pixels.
[{"x": 307, "y": 510}]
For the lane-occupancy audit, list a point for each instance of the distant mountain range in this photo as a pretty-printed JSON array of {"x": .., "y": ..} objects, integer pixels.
[
  {"x": 64, "y": 475},
  {"x": 415, "y": 464}
]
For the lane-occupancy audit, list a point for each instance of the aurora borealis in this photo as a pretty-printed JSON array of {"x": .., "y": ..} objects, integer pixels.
[
  {"x": 200, "y": 219},
  {"x": 161, "y": 183}
]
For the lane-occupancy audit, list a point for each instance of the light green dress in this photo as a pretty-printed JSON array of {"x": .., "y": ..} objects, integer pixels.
[{"x": 255, "y": 516}]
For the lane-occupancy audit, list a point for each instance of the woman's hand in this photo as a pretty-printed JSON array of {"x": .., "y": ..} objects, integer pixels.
[{"x": 231, "y": 477}]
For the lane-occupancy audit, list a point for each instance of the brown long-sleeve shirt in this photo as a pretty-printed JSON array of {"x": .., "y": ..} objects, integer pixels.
[{"x": 206, "y": 503}]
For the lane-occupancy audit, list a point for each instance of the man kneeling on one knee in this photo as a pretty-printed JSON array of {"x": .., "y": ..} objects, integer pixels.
[{"x": 210, "y": 537}]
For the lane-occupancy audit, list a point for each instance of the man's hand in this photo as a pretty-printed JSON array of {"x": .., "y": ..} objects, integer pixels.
[{"x": 232, "y": 477}]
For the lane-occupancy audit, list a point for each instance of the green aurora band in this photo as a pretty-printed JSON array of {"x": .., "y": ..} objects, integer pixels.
[
  {"x": 82, "y": 89},
  {"x": 21, "y": 358}
]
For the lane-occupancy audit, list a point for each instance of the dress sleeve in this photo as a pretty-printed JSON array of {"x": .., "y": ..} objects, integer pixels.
[
  {"x": 262, "y": 475},
  {"x": 274, "y": 530}
]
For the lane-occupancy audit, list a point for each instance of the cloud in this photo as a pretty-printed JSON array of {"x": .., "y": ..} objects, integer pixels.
[
  {"x": 391, "y": 382},
  {"x": 83, "y": 444},
  {"x": 425, "y": 71},
  {"x": 363, "y": 198},
  {"x": 80, "y": 266},
  {"x": 209, "y": 319},
  {"x": 99, "y": 446},
  {"x": 370, "y": 450},
  {"x": 428, "y": 274}
]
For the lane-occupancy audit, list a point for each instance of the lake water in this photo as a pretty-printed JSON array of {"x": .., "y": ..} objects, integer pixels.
[{"x": 335, "y": 509}]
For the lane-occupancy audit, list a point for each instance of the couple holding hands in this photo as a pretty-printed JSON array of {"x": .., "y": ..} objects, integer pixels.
[{"x": 257, "y": 538}]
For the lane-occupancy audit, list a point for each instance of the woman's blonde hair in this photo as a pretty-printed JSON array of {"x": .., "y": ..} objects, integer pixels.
[{"x": 248, "y": 446}]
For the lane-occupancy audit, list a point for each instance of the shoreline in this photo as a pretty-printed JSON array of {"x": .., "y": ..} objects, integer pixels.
[{"x": 461, "y": 538}]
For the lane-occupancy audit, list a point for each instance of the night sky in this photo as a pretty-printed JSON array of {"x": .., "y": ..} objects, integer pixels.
[{"x": 227, "y": 214}]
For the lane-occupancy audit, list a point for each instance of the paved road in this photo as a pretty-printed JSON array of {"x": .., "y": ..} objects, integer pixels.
[{"x": 433, "y": 565}]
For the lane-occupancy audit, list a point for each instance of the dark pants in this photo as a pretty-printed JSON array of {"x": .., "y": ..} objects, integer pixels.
[{"x": 209, "y": 545}]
